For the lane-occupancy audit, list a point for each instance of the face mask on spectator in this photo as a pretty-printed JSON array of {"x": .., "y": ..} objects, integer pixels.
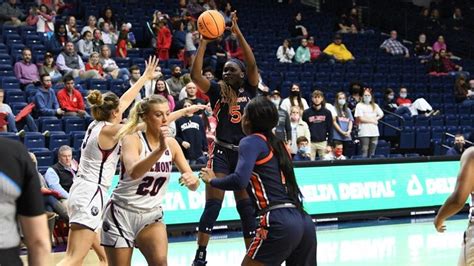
[
  {"x": 403, "y": 95},
  {"x": 47, "y": 85},
  {"x": 391, "y": 97},
  {"x": 367, "y": 99},
  {"x": 341, "y": 102},
  {"x": 177, "y": 74},
  {"x": 295, "y": 93},
  {"x": 338, "y": 152},
  {"x": 303, "y": 149},
  {"x": 276, "y": 102}
]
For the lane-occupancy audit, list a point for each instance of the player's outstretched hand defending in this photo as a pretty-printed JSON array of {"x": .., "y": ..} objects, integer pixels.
[
  {"x": 151, "y": 65},
  {"x": 439, "y": 225},
  {"x": 189, "y": 180},
  {"x": 207, "y": 175}
]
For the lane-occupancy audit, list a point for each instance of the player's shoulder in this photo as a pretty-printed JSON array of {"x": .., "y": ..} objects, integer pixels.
[{"x": 468, "y": 154}]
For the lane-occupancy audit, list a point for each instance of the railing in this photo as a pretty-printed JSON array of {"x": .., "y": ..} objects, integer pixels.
[
  {"x": 399, "y": 117},
  {"x": 451, "y": 136}
]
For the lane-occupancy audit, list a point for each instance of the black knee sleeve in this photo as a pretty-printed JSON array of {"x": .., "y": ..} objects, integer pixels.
[
  {"x": 209, "y": 216},
  {"x": 247, "y": 216}
]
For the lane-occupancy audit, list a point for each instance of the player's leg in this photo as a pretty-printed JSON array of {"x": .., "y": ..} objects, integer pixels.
[
  {"x": 99, "y": 250},
  {"x": 80, "y": 240},
  {"x": 305, "y": 253},
  {"x": 247, "y": 216},
  {"x": 119, "y": 256},
  {"x": 251, "y": 262},
  {"x": 153, "y": 243}
]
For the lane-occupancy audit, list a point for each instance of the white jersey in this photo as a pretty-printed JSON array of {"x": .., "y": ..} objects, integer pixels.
[
  {"x": 97, "y": 165},
  {"x": 144, "y": 193}
]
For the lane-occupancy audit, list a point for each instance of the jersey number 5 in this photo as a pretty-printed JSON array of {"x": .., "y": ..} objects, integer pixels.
[
  {"x": 149, "y": 181},
  {"x": 235, "y": 114}
]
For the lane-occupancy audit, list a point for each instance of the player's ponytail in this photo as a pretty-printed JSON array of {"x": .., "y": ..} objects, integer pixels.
[
  {"x": 137, "y": 112},
  {"x": 263, "y": 117}
]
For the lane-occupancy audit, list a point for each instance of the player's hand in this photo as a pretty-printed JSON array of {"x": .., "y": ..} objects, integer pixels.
[
  {"x": 234, "y": 27},
  {"x": 206, "y": 174},
  {"x": 439, "y": 225},
  {"x": 165, "y": 131},
  {"x": 189, "y": 180},
  {"x": 163, "y": 145},
  {"x": 185, "y": 145},
  {"x": 151, "y": 65}
]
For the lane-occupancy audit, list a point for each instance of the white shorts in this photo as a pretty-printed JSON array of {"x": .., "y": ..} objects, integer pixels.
[
  {"x": 86, "y": 203},
  {"x": 121, "y": 226},
  {"x": 467, "y": 252}
]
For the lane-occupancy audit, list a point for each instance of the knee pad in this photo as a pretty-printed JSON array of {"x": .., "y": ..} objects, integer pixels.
[
  {"x": 209, "y": 216},
  {"x": 247, "y": 215}
]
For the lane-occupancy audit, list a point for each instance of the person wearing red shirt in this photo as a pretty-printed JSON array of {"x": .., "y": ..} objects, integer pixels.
[
  {"x": 70, "y": 99},
  {"x": 418, "y": 107},
  {"x": 232, "y": 47},
  {"x": 94, "y": 64},
  {"x": 122, "y": 45},
  {"x": 314, "y": 50},
  {"x": 163, "y": 38}
]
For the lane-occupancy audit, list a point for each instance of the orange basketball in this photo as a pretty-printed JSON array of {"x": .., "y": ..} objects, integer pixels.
[{"x": 211, "y": 24}]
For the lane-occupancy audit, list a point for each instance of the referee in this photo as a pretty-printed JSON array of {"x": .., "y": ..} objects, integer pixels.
[{"x": 21, "y": 201}]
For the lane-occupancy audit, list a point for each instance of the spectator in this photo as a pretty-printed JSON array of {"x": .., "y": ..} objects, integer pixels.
[
  {"x": 302, "y": 53},
  {"x": 343, "y": 122},
  {"x": 193, "y": 8},
  {"x": 343, "y": 25},
  {"x": 436, "y": 66},
  {"x": 275, "y": 97},
  {"x": 418, "y": 107},
  {"x": 91, "y": 25},
  {"x": 319, "y": 120},
  {"x": 456, "y": 22},
  {"x": 422, "y": 49},
  {"x": 208, "y": 74},
  {"x": 314, "y": 50},
  {"x": 11, "y": 14},
  {"x": 294, "y": 99},
  {"x": 97, "y": 42},
  {"x": 190, "y": 45},
  {"x": 25, "y": 71},
  {"x": 391, "y": 105},
  {"x": 110, "y": 66},
  {"x": 394, "y": 47},
  {"x": 299, "y": 128},
  {"x": 191, "y": 135},
  {"x": 94, "y": 65},
  {"x": 434, "y": 24},
  {"x": 151, "y": 84},
  {"x": 452, "y": 68},
  {"x": 49, "y": 67},
  {"x": 108, "y": 36},
  {"x": 163, "y": 38},
  {"x": 439, "y": 45},
  {"x": 178, "y": 39},
  {"x": 85, "y": 45},
  {"x": 355, "y": 95},
  {"x": 60, "y": 176},
  {"x": 131, "y": 40},
  {"x": 459, "y": 146},
  {"x": 368, "y": 114},
  {"x": 161, "y": 88},
  {"x": 336, "y": 153},
  {"x": 175, "y": 83},
  {"x": 283, "y": 127},
  {"x": 191, "y": 91},
  {"x": 58, "y": 40},
  {"x": 232, "y": 47},
  {"x": 464, "y": 93},
  {"x": 10, "y": 118},
  {"x": 122, "y": 42},
  {"x": 109, "y": 17},
  {"x": 338, "y": 51},
  {"x": 71, "y": 29},
  {"x": 303, "y": 152},
  {"x": 70, "y": 99},
  {"x": 45, "y": 99},
  {"x": 424, "y": 18},
  {"x": 228, "y": 9},
  {"x": 285, "y": 52},
  {"x": 353, "y": 20},
  {"x": 42, "y": 18},
  {"x": 296, "y": 27},
  {"x": 70, "y": 64}
]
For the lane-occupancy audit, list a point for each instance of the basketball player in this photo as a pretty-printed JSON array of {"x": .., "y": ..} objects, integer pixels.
[
  {"x": 456, "y": 201},
  {"x": 286, "y": 232},
  {"x": 99, "y": 157},
  {"x": 133, "y": 217},
  {"x": 228, "y": 99}
]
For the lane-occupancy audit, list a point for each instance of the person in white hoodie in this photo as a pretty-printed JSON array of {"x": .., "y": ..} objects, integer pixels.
[{"x": 285, "y": 52}]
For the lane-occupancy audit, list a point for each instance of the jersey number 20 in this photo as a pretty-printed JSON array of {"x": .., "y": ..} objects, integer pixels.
[{"x": 149, "y": 181}]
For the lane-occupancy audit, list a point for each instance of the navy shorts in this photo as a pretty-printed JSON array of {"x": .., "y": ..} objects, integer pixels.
[
  {"x": 223, "y": 160},
  {"x": 285, "y": 235}
]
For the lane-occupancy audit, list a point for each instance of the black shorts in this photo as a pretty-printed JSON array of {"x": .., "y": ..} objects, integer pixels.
[
  {"x": 10, "y": 257},
  {"x": 222, "y": 160}
]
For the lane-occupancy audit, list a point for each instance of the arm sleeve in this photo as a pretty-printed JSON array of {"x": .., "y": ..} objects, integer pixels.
[
  {"x": 17, "y": 70},
  {"x": 52, "y": 179},
  {"x": 80, "y": 102},
  {"x": 81, "y": 64},
  {"x": 279, "y": 53},
  {"x": 41, "y": 106},
  {"x": 30, "y": 202},
  {"x": 384, "y": 44},
  {"x": 55, "y": 101},
  {"x": 249, "y": 150},
  {"x": 358, "y": 112},
  {"x": 178, "y": 135},
  {"x": 64, "y": 103}
]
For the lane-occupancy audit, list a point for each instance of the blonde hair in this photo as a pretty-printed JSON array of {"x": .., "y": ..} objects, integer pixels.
[
  {"x": 102, "y": 105},
  {"x": 228, "y": 94},
  {"x": 90, "y": 58},
  {"x": 139, "y": 110}
]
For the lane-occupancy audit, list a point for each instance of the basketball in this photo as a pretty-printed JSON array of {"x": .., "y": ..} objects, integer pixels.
[{"x": 211, "y": 24}]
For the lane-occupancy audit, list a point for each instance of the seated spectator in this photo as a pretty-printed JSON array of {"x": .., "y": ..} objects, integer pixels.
[
  {"x": 175, "y": 83},
  {"x": 25, "y": 70},
  {"x": 42, "y": 18},
  {"x": 91, "y": 25},
  {"x": 418, "y": 107},
  {"x": 302, "y": 53},
  {"x": 393, "y": 46},
  {"x": 45, "y": 99},
  {"x": 319, "y": 120},
  {"x": 353, "y": 20},
  {"x": 314, "y": 50},
  {"x": 355, "y": 95},
  {"x": 297, "y": 28},
  {"x": 285, "y": 52},
  {"x": 11, "y": 14},
  {"x": 97, "y": 42},
  {"x": 368, "y": 114},
  {"x": 71, "y": 29},
  {"x": 456, "y": 22},
  {"x": 49, "y": 67},
  {"x": 422, "y": 49},
  {"x": 12, "y": 126},
  {"x": 338, "y": 51},
  {"x": 191, "y": 91},
  {"x": 436, "y": 66},
  {"x": 464, "y": 93},
  {"x": 70, "y": 64},
  {"x": 191, "y": 135},
  {"x": 70, "y": 99},
  {"x": 58, "y": 40},
  {"x": 343, "y": 122},
  {"x": 303, "y": 151},
  {"x": 434, "y": 24},
  {"x": 299, "y": 128},
  {"x": 391, "y": 105},
  {"x": 208, "y": 74},
  {"x": 85, "y": 45},
  {"x": 459, "y": 146},
  {"x": 294, "y": 99},
  {"x": 94, "y": 65},
  {"x": 122, "y": 42},
  {"x": 161, "y": 88},
  {"x": 452, "y": 68},
  {"x": 110, "y": 66},
  {"x": 131, "y": 40},
  {"x": 59, "y": 176},
  {"x": 108, "y": 35},
  {"x": 439, "y": 45},
  {"x": 232, "y": 47},
  {"x": 108, "y": 16},
  {"x": 336, "y": 153},
  {"x": 342, "y": 25}
]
